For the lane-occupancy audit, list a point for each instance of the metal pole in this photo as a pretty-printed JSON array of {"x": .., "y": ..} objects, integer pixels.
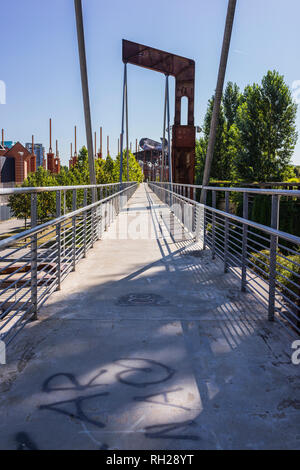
[
  {"x": 34, "y": 254},
  {"x": 122, "y": 126},
  {"x": 169, "y": 140},
  {"x": 214, "y": 204},
  {"x": 162, "y": 177},
  {"x": 126, "y": 103},
  {"x": 84, "y": 222},
  {"x": 74, "y": 205},
  {"x": 226, "y": 238},
  {"x": 85, "y": 89},
  {"x": 273, "y": 255},
  {"x": 244, "y": 238},
  {"x": 218, "y": 94},
  {"x": 58, "y": 239}
]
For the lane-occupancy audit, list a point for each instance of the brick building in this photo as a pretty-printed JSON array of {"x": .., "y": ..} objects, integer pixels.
[{"x": 16, "y": 163}]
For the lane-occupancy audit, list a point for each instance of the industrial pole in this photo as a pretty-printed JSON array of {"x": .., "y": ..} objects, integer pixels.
[
  {"x": 122, "y": 125},
  {"x": 169, "y": 136},
  {"x": 164, "y": 137},
  {"x": 218, "y": 95},
  {"x": 85, "y": 89},
  {"x": 127, "y": 144}
]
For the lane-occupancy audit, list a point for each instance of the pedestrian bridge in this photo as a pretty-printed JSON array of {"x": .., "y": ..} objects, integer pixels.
[{"x": 158, "y": 333}]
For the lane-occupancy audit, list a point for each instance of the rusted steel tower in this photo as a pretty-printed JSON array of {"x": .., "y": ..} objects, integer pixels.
[{"x": 183, "y": 69}]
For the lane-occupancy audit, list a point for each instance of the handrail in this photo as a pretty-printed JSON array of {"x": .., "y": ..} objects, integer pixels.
[
  {"x": 271, "y": 231},
  {"x": 41, "y": 189},
  {"x": 39, "y": 228},
  {"x": 279, "y": 192},
  {"x": 265, "y": 259}
]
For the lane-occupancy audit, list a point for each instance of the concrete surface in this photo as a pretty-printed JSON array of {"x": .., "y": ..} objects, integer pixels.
[{"x": 150, "y": 346}]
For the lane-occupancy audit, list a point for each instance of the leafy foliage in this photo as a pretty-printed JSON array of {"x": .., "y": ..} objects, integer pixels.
[
  {"x": 107, "y": 171},
  {"x": 288, "y": 269},
  {"x": 256, "y": 134}
]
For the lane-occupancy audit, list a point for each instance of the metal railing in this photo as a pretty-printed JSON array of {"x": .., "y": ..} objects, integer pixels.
[
  {"x": 266, "y": 259},
  {"x": 34, "y": 262}
]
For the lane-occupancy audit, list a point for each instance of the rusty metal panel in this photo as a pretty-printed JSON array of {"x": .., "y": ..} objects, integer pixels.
[
  {"x": 183, "y": 69},
  {"x": 184, "y": 136}
]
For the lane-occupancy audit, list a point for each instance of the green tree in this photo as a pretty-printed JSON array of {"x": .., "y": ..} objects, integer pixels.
[
  {"x": 135, "y": 171},
  {"x": 220, "y": 168},
  {"x": 231, "y": 100},
  {"x": 267, "y": 130},
  {"x": 21, "y": 203},
  {"x": 108, "y": 170},
  {"x": 200, "y": 153}
]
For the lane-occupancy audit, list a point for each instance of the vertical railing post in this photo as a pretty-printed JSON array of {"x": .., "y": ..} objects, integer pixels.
[
  {"x": 214, "y": 203},
  {"x": 273, "y": 254},
  {"x": 226, "y": 232},
  {"x": 58, "y": 239},
  {"x": 74, "y": 230},
  {"x": 84, "y": 222},
  {"x": 34, "y": 253},
  {"x": 244, "y": 242},
  {"x": 93, "y": 219},
  {"x": 204, "y": 219},
  {"x": 64, "y": 229}
]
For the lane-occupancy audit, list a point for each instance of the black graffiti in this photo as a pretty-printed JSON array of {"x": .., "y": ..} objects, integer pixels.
[
  {"x": 75, "y": 385},
  {"x": 164, "y": 394},
  {"x": 24, "y": 442},
  {"x": 162, "y": 431},
  {"x": 78, "y": 412},
  {"x": 155, "y": 368}
]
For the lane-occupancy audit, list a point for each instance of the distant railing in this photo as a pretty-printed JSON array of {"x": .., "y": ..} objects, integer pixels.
[
  {"x": 34, "y": 262},
  {"x": 266, "y": 259}
]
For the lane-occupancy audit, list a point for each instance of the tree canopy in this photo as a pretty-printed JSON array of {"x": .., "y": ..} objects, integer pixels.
[
  {"x": 256, "y": 133},
  {"x": 107, "y": 171}
]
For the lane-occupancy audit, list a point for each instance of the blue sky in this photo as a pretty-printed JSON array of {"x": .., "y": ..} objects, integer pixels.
[{"x": 39, "y": 61}]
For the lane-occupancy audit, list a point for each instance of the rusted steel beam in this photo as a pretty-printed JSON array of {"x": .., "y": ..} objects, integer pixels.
[{"x": 183, "y": 69}]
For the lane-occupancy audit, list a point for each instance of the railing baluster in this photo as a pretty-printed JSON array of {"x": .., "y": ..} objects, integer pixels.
[
  {"x": 214, "y": 201},
  {"x": 84, "y": 222},
  {"x": 244, "y": 243},
  {"x": 58, "y": 240},
  {"x": 226, "y": 233},
  {"x": 34, "y": 255},
  {"x": 273, "y": 255},
  {"x": 204, "y": 219},
  {"x": 74, "y": 230}
]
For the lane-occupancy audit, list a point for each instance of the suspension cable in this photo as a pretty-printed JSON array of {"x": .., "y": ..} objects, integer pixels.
[{"x": 122, "y": 125}]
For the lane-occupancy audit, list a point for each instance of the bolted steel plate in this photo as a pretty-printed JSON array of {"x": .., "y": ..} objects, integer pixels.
[
  {"x": 195, "y": 253},
  {"x": 142, "y": 299}
]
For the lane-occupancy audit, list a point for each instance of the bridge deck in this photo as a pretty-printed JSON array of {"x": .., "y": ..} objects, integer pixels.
[{"x": 150, "y": 346}]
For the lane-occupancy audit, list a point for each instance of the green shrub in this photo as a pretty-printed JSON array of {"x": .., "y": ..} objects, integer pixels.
[{"x": 287, "y": 264}]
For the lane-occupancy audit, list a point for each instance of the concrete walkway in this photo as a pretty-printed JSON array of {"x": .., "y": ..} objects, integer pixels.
[{"x": 150, "y": 346}]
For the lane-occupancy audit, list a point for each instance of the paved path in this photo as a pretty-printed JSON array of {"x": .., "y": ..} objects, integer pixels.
[{"x": 150, "y": 346}]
